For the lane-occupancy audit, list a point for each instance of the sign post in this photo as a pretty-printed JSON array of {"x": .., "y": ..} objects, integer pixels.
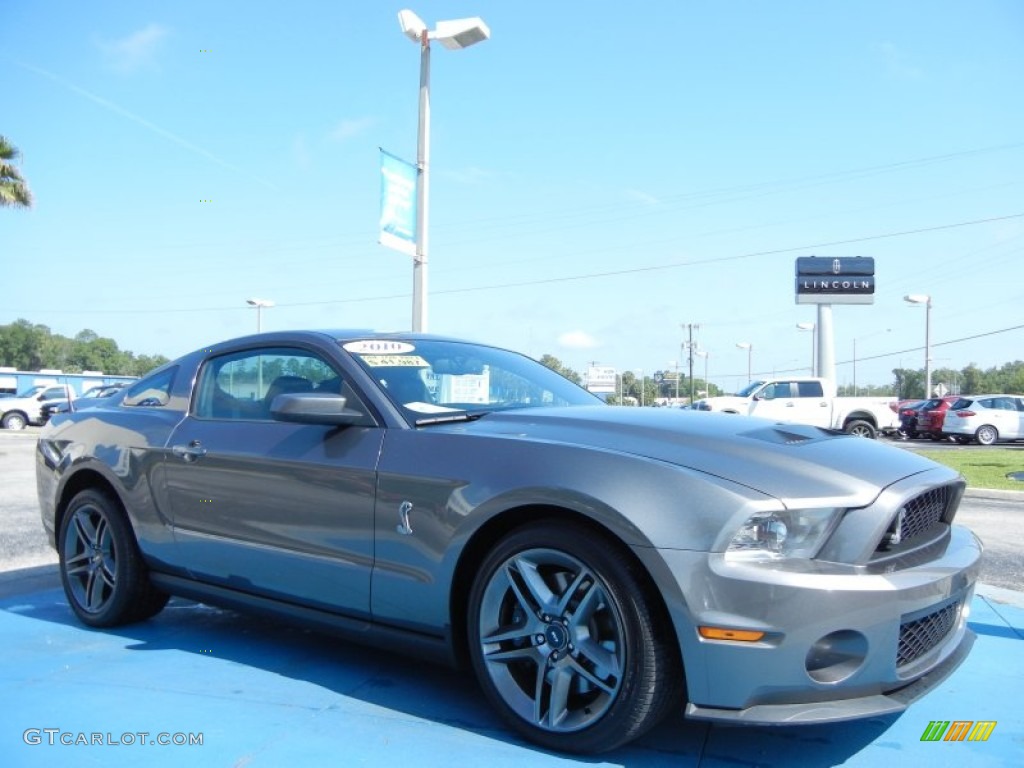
[{"x": 826, "y": 281}]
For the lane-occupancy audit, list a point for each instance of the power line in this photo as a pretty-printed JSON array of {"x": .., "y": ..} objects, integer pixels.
[{"x": 571, "y": 278}]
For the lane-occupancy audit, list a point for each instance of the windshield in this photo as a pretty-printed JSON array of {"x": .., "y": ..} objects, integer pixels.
[
  {"x": 748, "y": 390},
  {"x": 32, "y": 391},
  {"x": 434, "y": 378}
]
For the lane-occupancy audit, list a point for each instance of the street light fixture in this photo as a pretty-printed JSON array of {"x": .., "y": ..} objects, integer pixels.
[
  {"x": 924, "y": 298},
  {"x": 750, "y": 351},
  {"x": 260, "y": 304},
  {"x": 453, "y": 35},
  {"x": 814, "y": 342}
]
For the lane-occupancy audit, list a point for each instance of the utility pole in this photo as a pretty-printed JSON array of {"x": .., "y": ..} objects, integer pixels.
[{"x": 689, "y": 345}]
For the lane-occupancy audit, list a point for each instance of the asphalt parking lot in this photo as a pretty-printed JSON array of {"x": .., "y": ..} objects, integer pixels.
[{"x": 255, "y": 693}]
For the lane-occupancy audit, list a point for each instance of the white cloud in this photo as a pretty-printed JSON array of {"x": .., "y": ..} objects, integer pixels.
[
  {"x": 135, "y": 51},
  {"x": 350, "y": 128},
  {"x": 577, "y": 340}
]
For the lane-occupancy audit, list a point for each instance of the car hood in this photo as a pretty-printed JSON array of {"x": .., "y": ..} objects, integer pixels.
[{"x": 782, "y": 460}]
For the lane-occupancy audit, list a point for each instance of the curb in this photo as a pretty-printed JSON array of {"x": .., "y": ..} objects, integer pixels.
[{"x": 994, "y": 494}]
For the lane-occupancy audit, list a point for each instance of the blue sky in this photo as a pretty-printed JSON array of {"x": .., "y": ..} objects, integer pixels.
[{"x": 601, "y": 174}]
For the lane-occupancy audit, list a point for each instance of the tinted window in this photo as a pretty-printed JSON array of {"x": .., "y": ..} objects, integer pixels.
[
  {"x": 243, "y": 385},
  {"x": 153, "y": 391},
  {"x": 810, "y": 389}
]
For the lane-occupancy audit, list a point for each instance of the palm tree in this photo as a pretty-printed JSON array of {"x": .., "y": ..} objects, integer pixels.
[{"x": 13, "y": 189}]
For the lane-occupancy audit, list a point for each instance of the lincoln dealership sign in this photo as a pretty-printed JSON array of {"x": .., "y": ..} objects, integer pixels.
[{"x": 845, "y": 280}]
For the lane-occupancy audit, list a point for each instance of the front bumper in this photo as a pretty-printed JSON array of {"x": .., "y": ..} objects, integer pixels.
[{"x": 840, "y": 641}]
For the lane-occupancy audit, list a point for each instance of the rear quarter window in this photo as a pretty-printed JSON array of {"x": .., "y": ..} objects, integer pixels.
[{"x": 153, "y": 391}]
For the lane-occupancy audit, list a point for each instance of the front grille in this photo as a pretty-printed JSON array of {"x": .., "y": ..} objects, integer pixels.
[
  {"x": 919, "y": 636},
  {"x": 915, "y": 518}
]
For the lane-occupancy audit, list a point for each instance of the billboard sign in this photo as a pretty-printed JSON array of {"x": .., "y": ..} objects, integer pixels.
[
  {"x": 601, "y": 379},
  {"x": 840, "y": 280}
]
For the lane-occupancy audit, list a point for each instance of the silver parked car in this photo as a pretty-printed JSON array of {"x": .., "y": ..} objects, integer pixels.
[
  {"x": 986, "y": 418},
  {"x": 595, "y": 567}
]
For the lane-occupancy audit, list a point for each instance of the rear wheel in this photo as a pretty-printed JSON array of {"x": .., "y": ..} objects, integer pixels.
[
  {"x": 987, "y": 434},
  {"x": 102, "y": 570},
  {"x": 860, "y": 428},
  {"x": 565, "y": 643}
]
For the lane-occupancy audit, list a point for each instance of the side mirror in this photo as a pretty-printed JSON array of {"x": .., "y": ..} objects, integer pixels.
[{"x": 325, "y": 408}]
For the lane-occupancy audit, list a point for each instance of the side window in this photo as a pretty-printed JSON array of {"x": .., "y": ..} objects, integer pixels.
[
  {"x": 781, "y": 389},
  {"x": 152, "y": 391},
  {"x": 810, "y": 389},
  {"x": 243, "y": 385},
  {"x": 988, "y": 402}
]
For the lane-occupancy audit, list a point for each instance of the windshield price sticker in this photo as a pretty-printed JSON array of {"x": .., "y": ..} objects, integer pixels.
[
  {"x": 393, "y": 361},
  {"x": 379, "y": 347}
]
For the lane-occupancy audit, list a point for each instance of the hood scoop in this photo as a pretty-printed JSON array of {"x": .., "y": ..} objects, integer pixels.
[{"x": 790, "y": 435}]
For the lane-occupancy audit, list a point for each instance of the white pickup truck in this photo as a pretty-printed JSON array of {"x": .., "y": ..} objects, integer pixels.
[{"x": 808, "y": 401}]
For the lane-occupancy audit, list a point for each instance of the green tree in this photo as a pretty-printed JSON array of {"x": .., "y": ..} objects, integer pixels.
[
  {"x": 556, "y": 365},
  {"x": 13, "y": 187}
]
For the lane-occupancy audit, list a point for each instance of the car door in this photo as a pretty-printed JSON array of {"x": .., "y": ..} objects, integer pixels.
[
  {"x": 797, "y": 402},
  {"x": 273, "y": 508}
]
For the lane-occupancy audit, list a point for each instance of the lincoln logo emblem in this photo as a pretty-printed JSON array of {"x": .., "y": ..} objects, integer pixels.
[{"x": 836, "y": 266}]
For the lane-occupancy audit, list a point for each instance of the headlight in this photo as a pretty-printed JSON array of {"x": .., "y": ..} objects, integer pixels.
[{"x": 796, "y": 533}]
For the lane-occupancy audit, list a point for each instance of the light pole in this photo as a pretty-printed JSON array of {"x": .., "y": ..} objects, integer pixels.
[
  {"x": 814, "y": 341},
  {"x": 454, "y": 34},
  {"x": 923, "y": 298},
  {"x": 641, "y": 372},
  {"x": 260, "y": 304},
  {"x": 750, "y": 351}
]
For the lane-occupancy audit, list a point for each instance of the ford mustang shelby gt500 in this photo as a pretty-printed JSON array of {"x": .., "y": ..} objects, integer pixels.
[{"x": 596, "y": 567}]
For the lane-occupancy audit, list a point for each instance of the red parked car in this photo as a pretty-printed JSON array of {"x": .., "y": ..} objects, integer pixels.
[{"x": 931, "y": 417}]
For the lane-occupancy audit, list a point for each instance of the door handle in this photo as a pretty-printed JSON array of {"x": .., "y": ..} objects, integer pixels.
[{"x": 190, "y": 452}]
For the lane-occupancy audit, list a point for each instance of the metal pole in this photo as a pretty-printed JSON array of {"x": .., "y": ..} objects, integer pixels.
[
  {"x": 419, "y": 274},
  {"x": 928, "y": 348},
  {"x": 855, "y": 367},
  {"x": 259, "y": 318},
  {"x": 826, "y": 344}
]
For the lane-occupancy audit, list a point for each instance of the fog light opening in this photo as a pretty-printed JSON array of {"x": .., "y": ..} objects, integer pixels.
[{"x": 836, "y": 656}]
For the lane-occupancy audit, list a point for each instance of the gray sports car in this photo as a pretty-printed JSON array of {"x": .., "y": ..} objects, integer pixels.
[{"x": 596, "y": 567}]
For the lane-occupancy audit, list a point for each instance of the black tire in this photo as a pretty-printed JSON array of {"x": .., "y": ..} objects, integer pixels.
[
  {"x": 14, "y": 420},
  {"x": 860, "y": 428},
  {"x": 986, "y": 434},
  {"x": 566, "y": 640},
  {"x": 104, "y": 575}
]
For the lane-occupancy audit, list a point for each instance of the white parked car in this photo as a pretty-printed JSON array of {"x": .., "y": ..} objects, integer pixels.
[{"x": 986, "y": 418}]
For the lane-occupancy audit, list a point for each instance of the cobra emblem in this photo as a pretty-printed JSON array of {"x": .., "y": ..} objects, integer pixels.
[{"x": 403, "y": 526}]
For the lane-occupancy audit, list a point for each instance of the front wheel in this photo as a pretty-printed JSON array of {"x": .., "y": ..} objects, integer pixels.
[
  {"x": 102, "y": 570},
  {"x": 14, "y": 420},
  {"x": 860, "y": 428},
  {"x": 565, "y": 640},
  {"x": 987, "y": 434}
]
